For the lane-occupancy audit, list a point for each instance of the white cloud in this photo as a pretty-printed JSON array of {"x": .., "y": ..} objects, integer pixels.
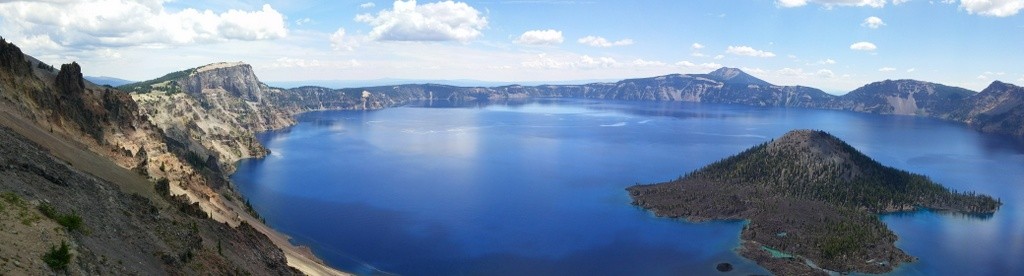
[
  {"x": 597, "y": 41},
  {"x": 993, "y": 74},
  {"x": 338, "y": 41},
  {"x": 589, "y": 62},
  {"x": 697, "y": 54},
  {"x": 863, "y": 46},
  {"x": 791, "y": 3},
  {"x": 897, "y": 2},
  {"x": 982, "y": 77},
  {"x": 911, "y": 70},
  {"x": 81, "y": 24},
  {"x": 753, "y": 70},
  {"x": 545, "y": 61},
  {"x": 833, "y": 3},
  {"x": 264, "y": 24},
  {"x": 303, "y": 21},
  {"x": 696, "y": 46},
  {"x": 367, "y": 5},
  {"x": 645, "y": 63},
  {"x": 827, "y": 61},
  {"x": 109, "y": 54},
  {"x": 873, "y": 22},
  {"x": 748, "y": 51},
  {"x": 702, "y": 66},
  {"x": 997, "y": 8},
  {"x": 886, "y": 69},
  {"x": 542, "y": 61},
  {"x": 441, "y": 21},
  {"x": 287, "y": 62},
  {"x": 719, "y": 56},
  {"x": 825, "y": 73},
  {"x": 790, "y": 72},
  {"x": 540, "y": 37}
]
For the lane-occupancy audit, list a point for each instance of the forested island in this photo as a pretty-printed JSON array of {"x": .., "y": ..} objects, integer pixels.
[{"x": 811, "y": 201}]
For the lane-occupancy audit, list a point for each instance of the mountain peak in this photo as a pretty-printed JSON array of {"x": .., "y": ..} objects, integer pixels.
[
  {"x": 817, "y": 145},
  {"x": 999, "y": 85},
  {"x": 219, "y": 65},
  {"x": 736, "y": 76},
  {"x": 727, "y": 72}
]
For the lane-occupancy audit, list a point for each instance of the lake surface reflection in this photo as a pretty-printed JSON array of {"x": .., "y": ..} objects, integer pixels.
[{"x": 538, "y": 187}]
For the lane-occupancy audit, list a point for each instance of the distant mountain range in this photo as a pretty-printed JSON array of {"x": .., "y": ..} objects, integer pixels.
[
  {"x": 111, "y": 81},
  {"x": 997, "y": 109},
  {"x": 337, "y": 84}
]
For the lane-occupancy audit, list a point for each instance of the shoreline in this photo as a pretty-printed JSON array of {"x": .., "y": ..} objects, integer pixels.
[{"x": 300, "y": 257}]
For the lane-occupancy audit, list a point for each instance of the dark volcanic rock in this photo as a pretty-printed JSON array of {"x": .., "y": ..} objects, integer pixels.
[
  {"x": 13, "y": 60},
  {"x": 69, "y": 80},
  {"x": 818, "y": 190},
  {"x": 724, "y": 267}
]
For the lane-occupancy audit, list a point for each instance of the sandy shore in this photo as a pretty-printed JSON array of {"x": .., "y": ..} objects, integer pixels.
[{"x": 299, "y": 257}]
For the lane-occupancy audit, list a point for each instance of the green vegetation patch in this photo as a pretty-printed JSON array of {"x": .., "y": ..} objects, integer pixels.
[
  {"x": 18, "y": 205},
  {"x": 72, "y": 221},
  {"x": 168, "y": 83},
  {"x": 58, "y": 258}
]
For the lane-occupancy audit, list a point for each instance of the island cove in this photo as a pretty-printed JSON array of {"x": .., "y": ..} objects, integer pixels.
[{"x": 810, "y": 195}]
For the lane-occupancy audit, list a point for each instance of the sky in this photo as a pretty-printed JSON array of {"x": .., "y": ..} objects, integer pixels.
[{"x": 834, "y": 45}]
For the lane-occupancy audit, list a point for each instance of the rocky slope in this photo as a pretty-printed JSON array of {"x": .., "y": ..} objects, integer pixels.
[
  {"x": 905, "y": 97},
  {"x": 213, "y": 110},
  {"x": 104, "y": 132},
  {"x": 997, "y": 109},
  {"x": 810, "y": 195},
  {"x": 118, "y": 233}
]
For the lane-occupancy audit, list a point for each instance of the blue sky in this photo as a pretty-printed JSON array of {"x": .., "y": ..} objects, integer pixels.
[{"x": 835, "y": 45}]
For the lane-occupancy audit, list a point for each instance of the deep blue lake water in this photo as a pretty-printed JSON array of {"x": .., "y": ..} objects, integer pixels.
[{"x": 538, "y": 188}]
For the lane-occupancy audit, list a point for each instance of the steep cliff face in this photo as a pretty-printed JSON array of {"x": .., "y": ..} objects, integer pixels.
[
  {"x": 233, "y": 90},
  {"x": 216, "y": 113},
  {"x": 997, "y": 109},
  {"x": 234, "y": 78},
  {"x": 905, "y": 97}
]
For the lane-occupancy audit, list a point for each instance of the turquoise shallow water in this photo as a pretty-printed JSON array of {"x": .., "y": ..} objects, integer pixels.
[{"x": 538, "y": 187}]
